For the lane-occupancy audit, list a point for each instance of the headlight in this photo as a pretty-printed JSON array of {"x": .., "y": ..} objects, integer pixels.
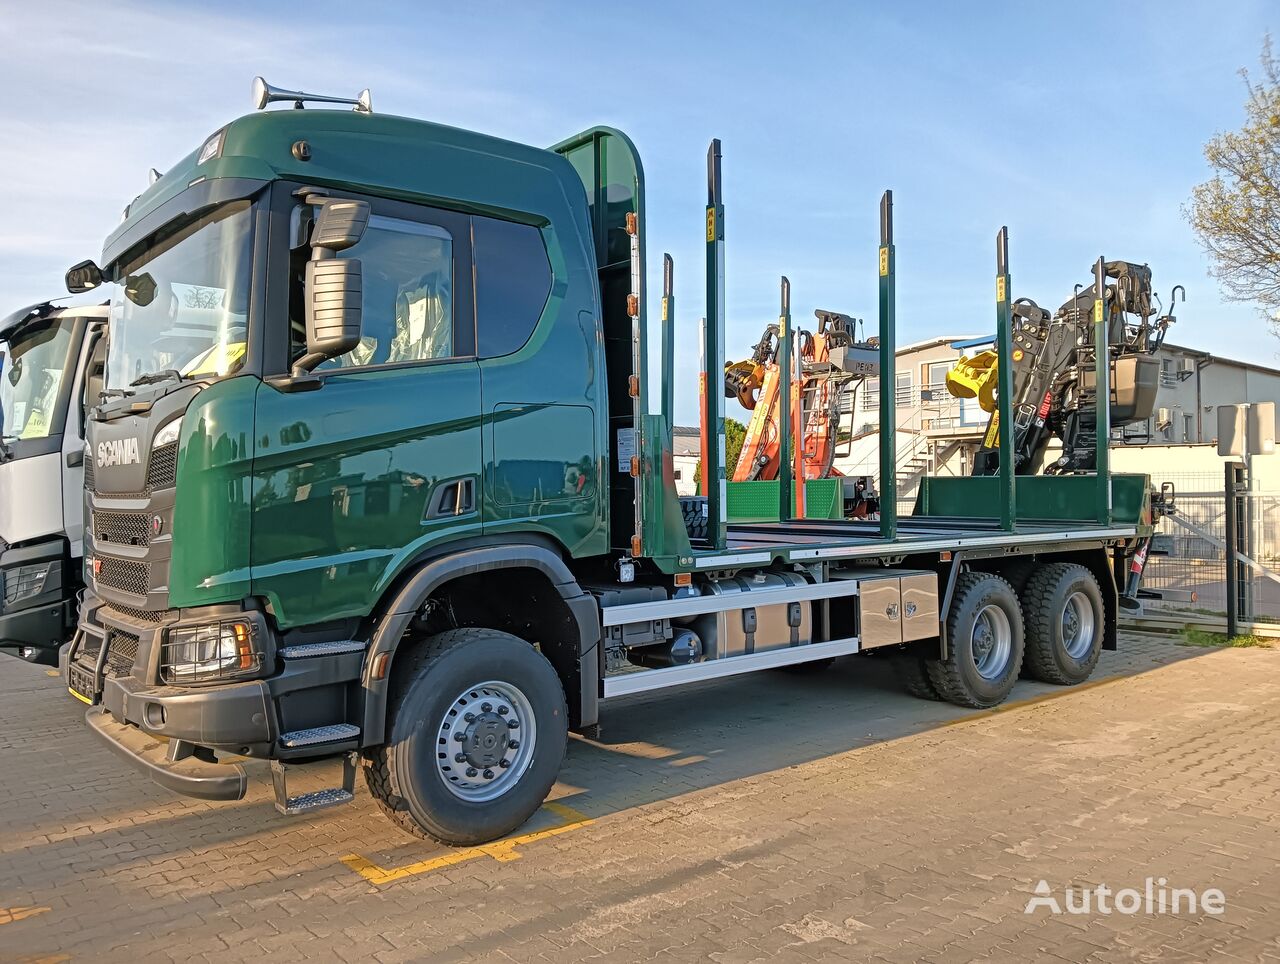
[
  {"x": 23, "y": 582},
  {"x": 167, "y": 435},
  {"x": 199, "y": 653}
]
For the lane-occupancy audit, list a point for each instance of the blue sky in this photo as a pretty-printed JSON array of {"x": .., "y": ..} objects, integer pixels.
[{"x": 1079, "y": 127}]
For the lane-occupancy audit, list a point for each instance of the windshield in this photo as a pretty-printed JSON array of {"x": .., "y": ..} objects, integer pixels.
[
  {"x": 179, "y": 309},
  {"x": 33, "y": 366}
]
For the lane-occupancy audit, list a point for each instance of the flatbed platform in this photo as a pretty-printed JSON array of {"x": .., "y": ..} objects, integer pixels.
[{"x": 805, "y": 540}]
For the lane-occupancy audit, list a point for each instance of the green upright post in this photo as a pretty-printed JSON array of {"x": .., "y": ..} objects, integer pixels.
[
  {"x": 1004, "y": 386},
  {"x": 888, "y": 410},
  {"x": 667, "y": 344},
  {"x": 1102, "y": 400},
  {"x": 714, "y": 468},
  {"x": 785, "y": 455}
]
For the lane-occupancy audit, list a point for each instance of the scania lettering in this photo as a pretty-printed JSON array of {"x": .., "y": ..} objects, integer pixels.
[{"x": 376, "y": 370}]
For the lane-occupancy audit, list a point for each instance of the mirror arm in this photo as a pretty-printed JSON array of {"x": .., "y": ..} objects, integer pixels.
[{"x": 304, "y": 365}]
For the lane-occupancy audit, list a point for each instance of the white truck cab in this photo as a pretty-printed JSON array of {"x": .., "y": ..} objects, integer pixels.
[{"x": 50, "y": 373}]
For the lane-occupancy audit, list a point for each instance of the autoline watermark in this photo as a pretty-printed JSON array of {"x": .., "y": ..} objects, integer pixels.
[{"x": 1155, "y": 896}]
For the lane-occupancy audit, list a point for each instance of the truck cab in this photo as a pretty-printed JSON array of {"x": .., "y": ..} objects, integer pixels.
[{"x": 47, "y": 381}]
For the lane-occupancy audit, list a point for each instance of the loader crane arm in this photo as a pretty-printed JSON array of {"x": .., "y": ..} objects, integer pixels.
[
  {"x": 832, "y": 364},
  {"x": 1053, "y": 372}
]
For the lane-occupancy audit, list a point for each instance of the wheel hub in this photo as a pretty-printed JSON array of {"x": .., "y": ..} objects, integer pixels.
[
  {"x": 991, "y": 642},
  {"x": 485, "y": 741}
]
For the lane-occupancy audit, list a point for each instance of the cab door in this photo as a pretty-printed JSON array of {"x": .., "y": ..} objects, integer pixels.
[
  {"x": 358, "y": 477},
  {"x": 85, "y": 386}
]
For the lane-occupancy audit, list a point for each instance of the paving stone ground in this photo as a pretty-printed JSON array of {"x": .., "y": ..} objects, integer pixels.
[{"x": 826, "y": 817}]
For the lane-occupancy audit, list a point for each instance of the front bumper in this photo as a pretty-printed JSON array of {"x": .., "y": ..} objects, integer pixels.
[
  {"x": 151, "y": 723},
  {"x": 39, "y": 623},
  {"x": 41, "y": 630},
  {"x": 190, "y": 776}
]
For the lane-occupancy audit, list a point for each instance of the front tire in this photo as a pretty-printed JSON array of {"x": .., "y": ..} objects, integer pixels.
[
  {"x": 984, "y": 643},
  {"x": 1065, "y": 623},
  {"x": 477, "y": 729}
]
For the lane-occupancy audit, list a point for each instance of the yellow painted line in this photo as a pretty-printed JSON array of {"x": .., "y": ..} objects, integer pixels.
[
  {"x": 82, "y": 699},
  {"x": 1029, "y": 701},
  {"x": 52, "y": 672},
  {"x": 11, "y": 915},
  {"x": 500, "y": 850}
]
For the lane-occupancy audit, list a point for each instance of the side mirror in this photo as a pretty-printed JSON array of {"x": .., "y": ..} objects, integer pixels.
[
  {"x": 334, "y": 286},
  {"x": 83, "y": 277}
]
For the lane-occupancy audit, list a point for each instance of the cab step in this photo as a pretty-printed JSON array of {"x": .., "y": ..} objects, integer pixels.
[
  {"x": 318, "y": 735},
  {"x": 316, "y": 799}
]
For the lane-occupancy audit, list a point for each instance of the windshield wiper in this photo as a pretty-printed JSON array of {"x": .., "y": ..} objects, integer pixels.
[{"x": 164, "y": 375}]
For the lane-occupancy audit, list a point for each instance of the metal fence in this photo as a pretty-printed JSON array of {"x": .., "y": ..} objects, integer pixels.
[{"x": 1188, "y": 552}]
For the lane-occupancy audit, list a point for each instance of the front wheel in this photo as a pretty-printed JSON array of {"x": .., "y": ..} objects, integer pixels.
[{"x": 476, "y": 735}]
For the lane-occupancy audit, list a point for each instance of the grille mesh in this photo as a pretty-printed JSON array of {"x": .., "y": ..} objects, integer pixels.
[
  {"x": 133, "y": 615},
  {"x": 124, "y": 574},
  {"x": 162, "y": 470},
  {"x": 121, "y": 528},
  {"x": 122, "y": 650}
]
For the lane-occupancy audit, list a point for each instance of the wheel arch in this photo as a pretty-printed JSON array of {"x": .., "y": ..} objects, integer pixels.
[{"x": 552, "y": 587}]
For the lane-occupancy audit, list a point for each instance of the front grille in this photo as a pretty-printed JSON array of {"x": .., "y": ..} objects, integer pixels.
[
  {"x": 88, "y": 473},
  {"x": 123, "y": 574},
  {"x": 122, "y": 650},
  {"x": 133, "y": 615},
  {"x": 121, "y": 528},
  {"x": 162, "y": 470}
]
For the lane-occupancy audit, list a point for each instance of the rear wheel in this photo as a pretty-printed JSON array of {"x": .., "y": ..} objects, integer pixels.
[
  {"x": 693, "y": 509},
  {"x": 1065, "y": 623},
  {"x": 475, "y": 737},
  {"x": 984, "y": 643},
  {"x": 913, "y": 673}
]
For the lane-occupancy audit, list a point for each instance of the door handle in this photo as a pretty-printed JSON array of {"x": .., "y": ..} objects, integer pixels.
[{"x": 75, "y": 459}]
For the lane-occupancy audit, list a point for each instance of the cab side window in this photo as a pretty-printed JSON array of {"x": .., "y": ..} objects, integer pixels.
[
  {"x": 409, "y": 286},
  {"x": 513, "y": 281}
]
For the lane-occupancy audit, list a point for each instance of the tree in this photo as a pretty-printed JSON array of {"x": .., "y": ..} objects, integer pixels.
[
  {"x": 735, "y": 433},
  {"x": 1236, "y": 213}
]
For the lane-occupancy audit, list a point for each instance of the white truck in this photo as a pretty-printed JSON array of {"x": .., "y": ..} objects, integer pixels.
[{"x": 50, "y": 371}]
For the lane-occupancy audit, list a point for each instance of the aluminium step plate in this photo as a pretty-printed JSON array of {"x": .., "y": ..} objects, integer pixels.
[
  {"x": 316, "y": 800},
  {"x": 336, "y": 733},
  {"x": 303, "y": 650}
]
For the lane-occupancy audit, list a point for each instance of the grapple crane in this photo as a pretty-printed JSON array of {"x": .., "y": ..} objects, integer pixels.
[
  {"x": 1053, "y": 372},
  {"x": 832, "y": 363}
]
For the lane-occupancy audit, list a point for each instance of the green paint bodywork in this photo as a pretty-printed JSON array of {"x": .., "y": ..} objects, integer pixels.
[
  {"x": 1041, "y": 498},
  {"x": 760, "y": 501},
  {"x": 315, "y": 501},
  {"x": 213, "y": 514}
]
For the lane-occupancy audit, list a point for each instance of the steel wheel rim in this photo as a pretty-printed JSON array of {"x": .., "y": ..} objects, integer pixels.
[
  {"x": 991, "y": 641},
  {"x": 481, "y": 725},
  {"x": 1078, "y": 625}
]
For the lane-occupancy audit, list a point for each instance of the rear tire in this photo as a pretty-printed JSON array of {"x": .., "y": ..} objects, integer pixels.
[
  {"x": 913, "y": 674},
  {"x": 693, "y": 508},
  {"x": 474, "y": 684},
  {"x": 1065, "y": 623},
  {"x": 984, "y": 643}
]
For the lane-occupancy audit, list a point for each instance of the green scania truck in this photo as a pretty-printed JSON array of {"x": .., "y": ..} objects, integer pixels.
[{"x": 376, "y": 478}]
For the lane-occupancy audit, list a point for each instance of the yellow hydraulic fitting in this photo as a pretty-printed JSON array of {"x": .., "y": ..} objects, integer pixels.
[{"x": 975, "y": 378}]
